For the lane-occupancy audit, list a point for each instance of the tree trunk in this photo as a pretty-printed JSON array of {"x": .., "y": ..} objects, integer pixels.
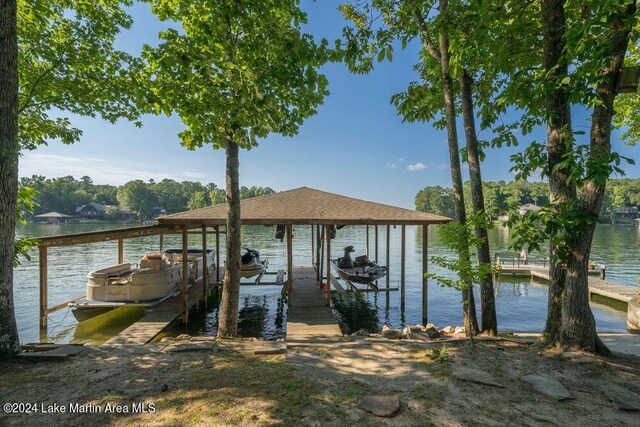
[
  {"x": 9, "y": 150},
  {"x": 558, "y": 131},
  {"x": 578, "y": 329},
  {"x": 489, "y": 320},
  {"x": 469, "y": 309},
  {"x": 228, "y": 322}
]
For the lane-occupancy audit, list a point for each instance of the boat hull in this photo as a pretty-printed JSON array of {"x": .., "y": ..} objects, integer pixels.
[
  {"x": 365, "y": 273},
  {"x": 138, "y": 285}
]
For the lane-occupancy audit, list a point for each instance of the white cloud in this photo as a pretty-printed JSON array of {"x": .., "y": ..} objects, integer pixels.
[
  {"x": 416, "y": 167},
  {"x": 100, "y": 170}
]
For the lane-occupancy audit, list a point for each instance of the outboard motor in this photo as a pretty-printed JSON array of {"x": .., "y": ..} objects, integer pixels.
[{"x": 250, "y": 256}]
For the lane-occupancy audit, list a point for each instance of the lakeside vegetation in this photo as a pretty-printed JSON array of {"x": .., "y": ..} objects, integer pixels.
[
  {"x": 501, "y": 196},
  {"x": 65, "y": 194}
]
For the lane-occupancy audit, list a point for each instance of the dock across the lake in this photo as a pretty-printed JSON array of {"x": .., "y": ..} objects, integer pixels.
[
  {"x": 597, "y": 286},
  {"x": 309, "y": 319}
]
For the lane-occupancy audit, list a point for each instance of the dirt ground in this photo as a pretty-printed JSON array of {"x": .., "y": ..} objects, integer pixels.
[{"x": 229, "y": 385}]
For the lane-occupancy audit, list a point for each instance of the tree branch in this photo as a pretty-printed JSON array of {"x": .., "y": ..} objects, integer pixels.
[{"x": 425, "y": 36}]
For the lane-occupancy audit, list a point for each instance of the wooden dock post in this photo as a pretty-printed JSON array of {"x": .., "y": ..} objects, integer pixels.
[
  {"x": 402, "y": 264},
  {"x": 44, "y": 303},
  {"x": 185, "y": 273},
  {"x": 321, "y": 266},
  {"x": 120, "y": 251},
  {"x": 313, "y": 248},
  {"x": 328, "y": 238},
  {"x": 387, "y": 250},
  {"x": 375, "y": 233},
  {"x": 218, "y": 255},
  {"x": 425, "y": 287},
  {"x": 290, "y": 261},
  {"x": 367, "y": 240},
  {"x": 161, "y": 241},
  {"x": 205, "y": 266}
]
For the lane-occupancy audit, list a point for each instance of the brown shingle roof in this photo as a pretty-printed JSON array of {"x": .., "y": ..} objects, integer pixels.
[{"x": 305, "y": 206}]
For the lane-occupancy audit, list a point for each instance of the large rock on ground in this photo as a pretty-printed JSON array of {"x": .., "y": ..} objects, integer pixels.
[
  {"x": 548, "y": 386},
  {"x": 476, "y": 376},
  {"x": 381, "y": 406},
  {"x": 622, "y": 398}
]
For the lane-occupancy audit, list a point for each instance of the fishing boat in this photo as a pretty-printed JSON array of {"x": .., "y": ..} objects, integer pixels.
[
  {"x": 252, "y": 265},
  {"x": 361, "y": 270},
  {"x": 157, "y": 277}
]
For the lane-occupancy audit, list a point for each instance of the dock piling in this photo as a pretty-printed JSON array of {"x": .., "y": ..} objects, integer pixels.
[
  {"x": 120, "y": 250},
  {"x": 402, "y": 264},
  {"x": 328, "y": 238},
  {"x": 205, "y": 267},
  {"x": 42, "y": 252},
  {"x": 185, "y": 273},
  {"x": 425, "y": 287}
]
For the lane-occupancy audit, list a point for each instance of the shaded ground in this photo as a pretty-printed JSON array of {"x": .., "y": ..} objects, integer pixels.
[{"x": 317, "y": 386}]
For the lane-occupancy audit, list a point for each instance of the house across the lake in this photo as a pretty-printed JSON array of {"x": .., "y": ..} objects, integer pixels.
[
  {"x": 626, "y": 212},
  {"x": 53, "y": 218},
  {"x": 91, "y": 211},
  {"x": 529, "y": 207}
]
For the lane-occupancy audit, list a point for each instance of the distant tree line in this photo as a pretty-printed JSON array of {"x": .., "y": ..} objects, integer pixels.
[
  {"x": 500, "y": 196},
  {"x": 66, "y": 193}
]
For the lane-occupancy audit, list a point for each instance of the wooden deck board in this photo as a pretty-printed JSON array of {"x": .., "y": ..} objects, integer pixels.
[
  {"x": 597, "y": 286},
  {"x": 145, "y": 329},
  {"x": 309, "y": 319}
]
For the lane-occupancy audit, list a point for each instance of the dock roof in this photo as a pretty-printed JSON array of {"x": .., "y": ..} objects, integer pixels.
[
  {"x": 53, "y": 215},
  {"x": 306, "y": 206}
]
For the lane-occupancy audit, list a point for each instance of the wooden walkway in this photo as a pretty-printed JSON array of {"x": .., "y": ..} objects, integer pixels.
[
  {"x": 597, "y": 286},
  {"x": 146, "y": 329},
  {"x": 309, "y": 319}
]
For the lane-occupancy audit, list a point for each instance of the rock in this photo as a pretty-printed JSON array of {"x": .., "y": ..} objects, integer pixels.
[
  {"x": 269, "y": 348},
  {"x": 458, "y": 329},
  {"x": 433, "y": 332},
  {"x": 381, "y": 406},
  {"x": 406, "y": 332},
  {"x": 190, "y": 346},
  {"x": 475, "y": 376},
  {"x": 633, "y": 386},
  {"x": 548, "y": 386},
  {"x": 183, "y": 337},
  {"x": 458, "y": 335},
  {"x": 167, "y": 339},
  {"x": 575, "y": 357},
  {"x": 448, "y": 330},
  {"x": 417, "y": 328},
  {"x": 360, "y": 333},
  {"x": 622, "y": 398},
  {"x": 392, "y": 334}
]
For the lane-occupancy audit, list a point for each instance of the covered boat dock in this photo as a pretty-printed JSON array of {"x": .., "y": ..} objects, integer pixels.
[{"x": 321, "y": 211}]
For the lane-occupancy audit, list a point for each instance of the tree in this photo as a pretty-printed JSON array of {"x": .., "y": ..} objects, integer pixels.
[
  {"x": 235, "y": 72},
  {"x": 198, "y": 200},
  {"x": 217, "y": 196},
  {"x": 67, "y": 62},
  {"x": 584, "y": 46},
  {"x": 9, "y": 150},
  {"x": 404, "y": 21},
  {"x": 137, "y": 196}
]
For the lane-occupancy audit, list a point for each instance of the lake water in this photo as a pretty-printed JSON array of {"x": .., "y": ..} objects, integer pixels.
[{"x": 521, "y": 304}]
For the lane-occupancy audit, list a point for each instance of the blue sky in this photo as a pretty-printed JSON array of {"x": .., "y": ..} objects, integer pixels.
[{"x": 356, "y": 145}]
